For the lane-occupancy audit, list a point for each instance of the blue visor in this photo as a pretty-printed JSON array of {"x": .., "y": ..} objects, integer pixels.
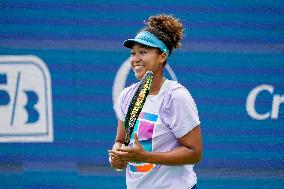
[{"x": 148, "y": 39}]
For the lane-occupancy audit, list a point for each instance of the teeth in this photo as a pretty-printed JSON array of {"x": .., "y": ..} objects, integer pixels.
[{"x": 138, "y": 67}]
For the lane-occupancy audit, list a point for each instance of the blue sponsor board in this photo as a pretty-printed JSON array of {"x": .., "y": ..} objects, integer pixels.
[{"x": 231, "y": 61}]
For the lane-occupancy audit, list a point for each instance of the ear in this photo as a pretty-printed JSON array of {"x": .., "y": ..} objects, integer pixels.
[{"x": 163, "y": 58}]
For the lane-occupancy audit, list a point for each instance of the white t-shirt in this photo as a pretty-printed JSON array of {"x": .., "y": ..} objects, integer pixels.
[{"x": 165, "y": 117}]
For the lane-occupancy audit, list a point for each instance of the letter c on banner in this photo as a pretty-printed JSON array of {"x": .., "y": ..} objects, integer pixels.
[{"x": 250, "y": 104}]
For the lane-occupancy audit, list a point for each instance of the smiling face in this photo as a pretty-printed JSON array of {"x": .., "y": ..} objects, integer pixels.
[{"x": 145, "y": 59}]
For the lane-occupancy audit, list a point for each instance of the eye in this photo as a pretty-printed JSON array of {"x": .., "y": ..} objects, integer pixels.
[
  {"x": 132, "y": 53},
  {"x": 143, "y": 52}
]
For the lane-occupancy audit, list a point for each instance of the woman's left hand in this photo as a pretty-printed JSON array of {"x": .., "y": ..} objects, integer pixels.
[{"x": 131, "y": 154}]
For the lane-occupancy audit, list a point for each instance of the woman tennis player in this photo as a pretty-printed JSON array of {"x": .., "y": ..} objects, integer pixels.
[{"x": 166, "y": 140}]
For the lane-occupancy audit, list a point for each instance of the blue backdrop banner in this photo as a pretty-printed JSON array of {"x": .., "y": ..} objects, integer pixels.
[{"x": 62, "y": 65}]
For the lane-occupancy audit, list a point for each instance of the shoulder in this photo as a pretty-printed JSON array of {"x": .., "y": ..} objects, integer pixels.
[
  {"x": 128, "y": 90},
  {"x": 126, "y": 95},
  {"x": 179, "y": 111},
  {"x": 123, "y": 101},
  {"x": 177, "y": 92}
]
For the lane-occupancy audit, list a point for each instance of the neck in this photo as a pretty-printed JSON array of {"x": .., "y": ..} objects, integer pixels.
[{"x": 157, "y": 83}]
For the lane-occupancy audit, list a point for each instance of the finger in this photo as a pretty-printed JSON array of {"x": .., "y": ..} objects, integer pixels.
[
  {"x": 117, "y": 162},
  {"x": 117, "y": 150},
  {"x": 117, "y": 165},
  {"x": 112, "y": 155},
  {"x": 117, "y": 154},
  {"x": 137, "y": 143},
  {"x": 125, "y": 149},
  {"x": 123, "y": 155},
  {"x": 117, "y": 159},
  {"x": 113, "y": 152}
]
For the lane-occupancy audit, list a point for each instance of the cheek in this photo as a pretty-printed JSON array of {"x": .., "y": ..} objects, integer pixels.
[
  {"x": 131, "y": 61},
  {"x": 151, "y": 58},
  {"x": 153, "y": 61}
]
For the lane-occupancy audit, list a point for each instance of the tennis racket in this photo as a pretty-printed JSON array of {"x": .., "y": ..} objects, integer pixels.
[{"x": 136, "y": 105}]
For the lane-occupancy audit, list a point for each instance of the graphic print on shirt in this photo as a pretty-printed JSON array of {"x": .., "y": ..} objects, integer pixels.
[{"x": 144, "y": 128}]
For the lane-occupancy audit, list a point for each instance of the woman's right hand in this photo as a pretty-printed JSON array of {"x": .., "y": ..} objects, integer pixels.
[{"x": 116, "y": 162}]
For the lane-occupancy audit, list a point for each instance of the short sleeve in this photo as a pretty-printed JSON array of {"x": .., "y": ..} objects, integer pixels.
[
  {"x": 118, "y": 106},
  {"x": 123, "y": 101},
  {"x": 181, "y": 114}
]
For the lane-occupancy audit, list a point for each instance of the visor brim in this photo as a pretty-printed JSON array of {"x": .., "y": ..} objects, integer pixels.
[{"x": 130, "y": 42}]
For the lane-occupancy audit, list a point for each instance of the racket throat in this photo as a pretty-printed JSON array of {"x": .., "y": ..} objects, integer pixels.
[{"x": 128, "y": 136}]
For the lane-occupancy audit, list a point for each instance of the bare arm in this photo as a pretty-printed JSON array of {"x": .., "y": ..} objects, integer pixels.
[
  {"x": 189, "y": 153},
  {"x": 115, "y": 161},
  {"x": 120, "y": 135}
]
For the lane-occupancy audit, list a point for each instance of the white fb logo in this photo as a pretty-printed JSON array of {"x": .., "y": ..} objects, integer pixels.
[
  {"x": 25, "y": 100},
  {"x": 121, "y": 77}
]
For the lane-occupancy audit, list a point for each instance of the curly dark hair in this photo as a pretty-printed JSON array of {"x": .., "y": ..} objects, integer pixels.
[{"x": 167, "y": 28}]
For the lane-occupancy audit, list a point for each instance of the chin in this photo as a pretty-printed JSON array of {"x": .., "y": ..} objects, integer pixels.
[{"x": 139, "y": 75}]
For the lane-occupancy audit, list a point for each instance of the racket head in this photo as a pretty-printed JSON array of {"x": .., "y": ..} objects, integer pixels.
[{"x": 136, "y": 105}]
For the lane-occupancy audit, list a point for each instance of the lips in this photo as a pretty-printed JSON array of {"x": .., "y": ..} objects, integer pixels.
[{"x": 139, "y": 68}]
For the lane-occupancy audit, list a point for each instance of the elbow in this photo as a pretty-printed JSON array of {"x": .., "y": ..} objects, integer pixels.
[
  {"x": 197, "y": 156},
  {"x": 194, "y": 157}
]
